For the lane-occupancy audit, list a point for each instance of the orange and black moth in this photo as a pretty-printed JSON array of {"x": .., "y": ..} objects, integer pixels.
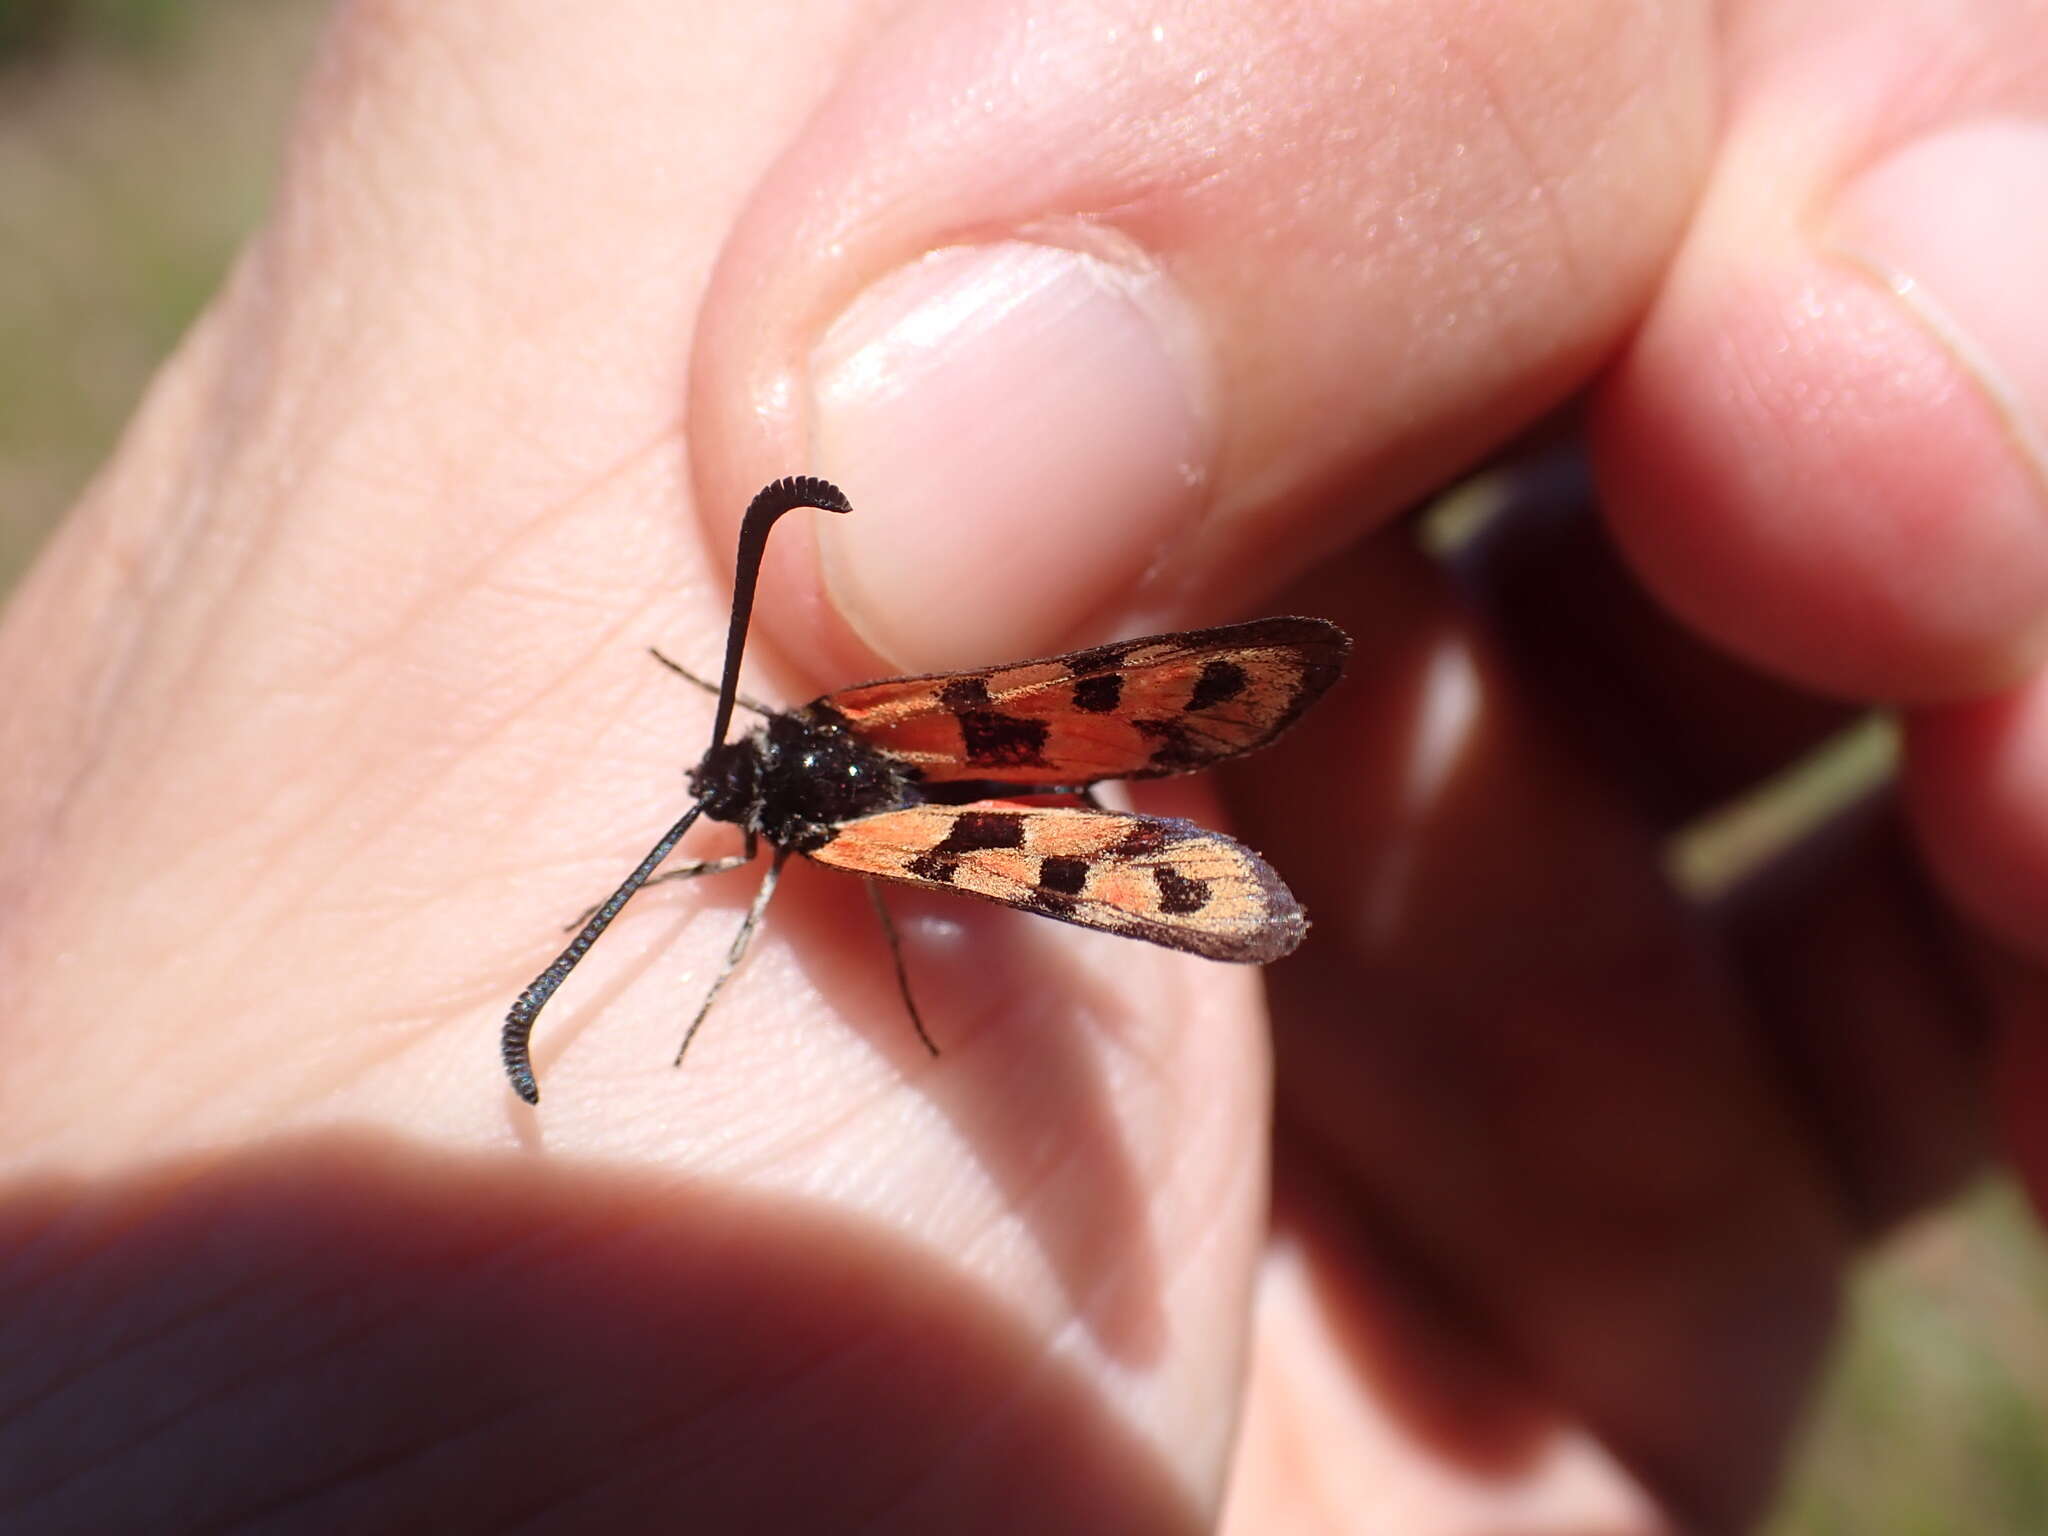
[{"x": 980, "y": 782}]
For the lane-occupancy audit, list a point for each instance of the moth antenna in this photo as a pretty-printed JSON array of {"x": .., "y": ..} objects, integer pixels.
[
  {"x": 783, "y": 496},
  {"x": 753, "y": 705},
  {"x": 513, "y": 1043}
]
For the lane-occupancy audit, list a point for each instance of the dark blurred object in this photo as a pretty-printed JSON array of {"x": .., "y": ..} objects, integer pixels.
[{"x": 30, "y": 29}]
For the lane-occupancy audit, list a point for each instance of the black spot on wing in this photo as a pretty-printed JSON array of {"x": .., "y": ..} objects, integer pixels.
[
  {"x": 1219, "y": 681},
  {"x": 1100, "y": 658},
  {"x": 939, "y": 868},
  {"x": 1050, "y": 904},
  {"x": 1063, "y": 876},
  {"x": 1100, "y": 694},
  {"x": 996, "y": 740},
  {"x": 969, "y": 692},
  {"x": 1178, "y": 895},
  {"x": 988, "y": 737},
  {"x": 1145, "y": 837},
  {"x": 1176, "y": 751},
  {"x": 973, "y": 831}
]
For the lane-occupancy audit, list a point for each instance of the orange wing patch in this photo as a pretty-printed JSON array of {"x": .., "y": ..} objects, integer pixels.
[
  {"x": 1143, "y": 877},
  {"x": 1133, "y": 710}
]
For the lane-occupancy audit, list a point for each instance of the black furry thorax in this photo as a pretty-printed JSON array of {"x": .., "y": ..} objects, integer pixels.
[{"x": 796, "y": 779}]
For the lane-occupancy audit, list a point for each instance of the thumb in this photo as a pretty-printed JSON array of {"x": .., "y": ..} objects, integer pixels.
[{"x": 1090, "y": 315}]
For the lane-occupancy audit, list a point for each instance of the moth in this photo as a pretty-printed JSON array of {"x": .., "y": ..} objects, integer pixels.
[{"x": 937, "y": 781}]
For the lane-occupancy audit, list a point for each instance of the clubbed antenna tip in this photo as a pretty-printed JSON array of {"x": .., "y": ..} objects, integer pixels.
[{"x": 784, "y": 495}]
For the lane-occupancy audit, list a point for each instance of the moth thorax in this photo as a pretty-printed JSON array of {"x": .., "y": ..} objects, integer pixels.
[{"x": 815, "y": 776}]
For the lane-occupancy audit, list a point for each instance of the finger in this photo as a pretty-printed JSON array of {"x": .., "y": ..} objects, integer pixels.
[
  {"x": 1091, "y": 313},
  {"x": 1863, "y": 982},
  {"x": 1877, "y": 1004},
  {"x": 1825, "y": 448},
  {"x": 339, "y": 1333},
  {"x": 1975, "y": 774},
  {"x": 1519, "y": 1050},
  {"x": 1676, "y": 724},
  {"x": 1374, "y": 1404},
  {"x": 2020, "y": 1082}
]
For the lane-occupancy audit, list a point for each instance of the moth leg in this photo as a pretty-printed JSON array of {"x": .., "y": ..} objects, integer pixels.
[
  {"x": 896, "y": 954},
  {"x": 738, "y": 951},
  {"x": 683, "y": 872},
  {"x": 712, "y": 688}
]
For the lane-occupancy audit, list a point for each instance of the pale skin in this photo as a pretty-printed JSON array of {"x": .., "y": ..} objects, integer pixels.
[{"x": 330, "y": 705}]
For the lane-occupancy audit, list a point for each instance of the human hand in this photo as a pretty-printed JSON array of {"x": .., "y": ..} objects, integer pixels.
[{"x": 330, "y": 705}]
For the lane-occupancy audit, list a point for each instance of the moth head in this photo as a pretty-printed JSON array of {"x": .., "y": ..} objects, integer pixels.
[{"x": 728, "y": 781}]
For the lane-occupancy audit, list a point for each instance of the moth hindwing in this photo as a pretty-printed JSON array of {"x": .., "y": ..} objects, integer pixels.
[
  {"x": 1144, "y": 877},
  {"x": 900, "y": 780}
]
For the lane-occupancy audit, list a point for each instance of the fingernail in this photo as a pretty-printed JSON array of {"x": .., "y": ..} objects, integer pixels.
[
  {"x": 1956, "y": 224},
  {"x": 1022, "y": 433}
]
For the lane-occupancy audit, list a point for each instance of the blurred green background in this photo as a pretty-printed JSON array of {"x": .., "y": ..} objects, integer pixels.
[{"x": 137, "y": 141}]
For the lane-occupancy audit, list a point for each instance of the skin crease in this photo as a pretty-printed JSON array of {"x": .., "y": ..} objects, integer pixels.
[{"x": 329, "y": 706}]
